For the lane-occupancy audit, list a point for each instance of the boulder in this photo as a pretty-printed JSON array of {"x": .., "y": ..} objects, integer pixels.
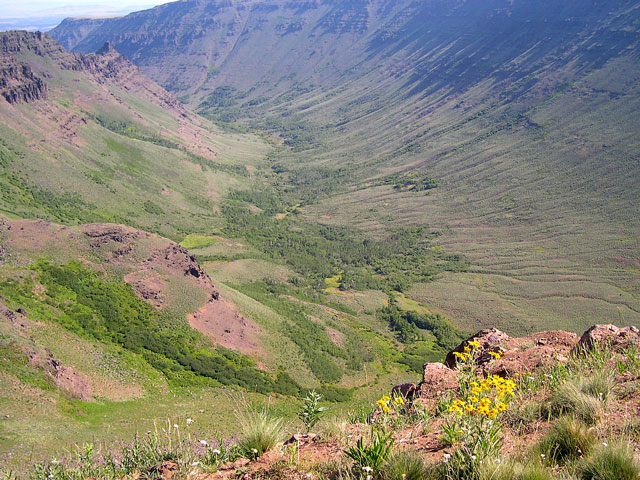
[
  {"x": 603, "y": 335},
  {"x": 406, "y": 390},
  {"x": 490, "y": 339},
  {"x": 437, "y": 379}
]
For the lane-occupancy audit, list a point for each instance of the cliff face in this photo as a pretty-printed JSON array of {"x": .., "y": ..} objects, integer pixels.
[{"x": 18, "y": 83}]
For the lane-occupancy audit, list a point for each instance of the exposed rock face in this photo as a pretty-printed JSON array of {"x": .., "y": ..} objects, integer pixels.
[
  {"x": 610, "y": 335},
  {"x": 437, "y": 378},
  {"x": 18, "y": 83}
]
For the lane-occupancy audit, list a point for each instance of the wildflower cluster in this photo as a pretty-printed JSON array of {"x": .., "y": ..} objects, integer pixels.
[
  {"x": 486, "y": 397},
  {"x": 383, "y": 404},
  {"x": 473, "y": 425},
  {"x": 386, "y": 404}
]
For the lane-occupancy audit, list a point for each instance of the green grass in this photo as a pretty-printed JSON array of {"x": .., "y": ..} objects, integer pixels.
[
  {"x": 197, "y": 241},
  {"x": 609, "y": 463},
  {"x": 568, "y": 440}
]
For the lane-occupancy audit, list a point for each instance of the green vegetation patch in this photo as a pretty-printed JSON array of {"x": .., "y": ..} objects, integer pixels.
[
  {"x": 402, "y": 257},
  {"x": 88, "y": 305},
  {"x": 414, "y": 182},
  {"x": 197, "y": 241},
  {"x": 407, "y": 326}
]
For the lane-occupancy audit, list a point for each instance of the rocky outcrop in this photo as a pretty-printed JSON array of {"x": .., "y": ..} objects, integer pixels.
[
  {"x": 517, "y": 355},
  {"x": 609, "y": 335},
  {"x": 66, "y": 378},
  {"x": 18, "y": 83}
]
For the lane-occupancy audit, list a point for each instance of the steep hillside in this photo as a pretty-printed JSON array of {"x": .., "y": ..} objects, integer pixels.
[
  {"x": 91, "y": 138},
  {"x": 105, "y": 327},
  {"x": 521, "y": 114}
]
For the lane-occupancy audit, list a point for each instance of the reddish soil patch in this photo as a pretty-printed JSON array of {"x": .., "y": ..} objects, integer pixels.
[
  {"x": 336, "y": 336},
  {"x": 149, "y": 288},
  {"x": 219, "y": 321}
]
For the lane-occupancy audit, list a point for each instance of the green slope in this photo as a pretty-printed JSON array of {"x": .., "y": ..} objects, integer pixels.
[{"x": 523, "y": 112}]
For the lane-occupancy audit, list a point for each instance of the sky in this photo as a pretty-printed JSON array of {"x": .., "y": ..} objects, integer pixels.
[{"x": 46, "y": 14}]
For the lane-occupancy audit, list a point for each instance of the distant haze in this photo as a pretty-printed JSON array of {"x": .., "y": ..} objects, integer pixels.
[{"x": 45, "y": 14}]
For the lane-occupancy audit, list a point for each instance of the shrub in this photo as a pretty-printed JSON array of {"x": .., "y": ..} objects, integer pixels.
[
  {"x": 568, "y": 439},
  {"x": 609, "y": 463},
  {"x": 260, "y": 431},
  {"x": 403, "y": 466}
]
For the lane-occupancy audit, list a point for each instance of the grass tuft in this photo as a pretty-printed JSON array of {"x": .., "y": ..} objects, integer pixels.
[
  {"x": 570, "y": 398},
  {"x": 403, "y": 466},
  {"x": 569, "y": 439},
  {"x": 260, "y": 431},
  {"x": 610, "y": 463}
]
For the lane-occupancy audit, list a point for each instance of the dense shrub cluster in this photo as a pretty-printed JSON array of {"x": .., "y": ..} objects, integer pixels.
[
  {"x": 407, "y": 325},
  {"x": 109, "y": 311},
  {"x": 401, "y": 258}
]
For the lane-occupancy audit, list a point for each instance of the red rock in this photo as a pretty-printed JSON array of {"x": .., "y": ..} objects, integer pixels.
[
  {"x": 615, "y": 337},
  {"x": 490, "y": 340},
  {"x": 437, "y": 378}
]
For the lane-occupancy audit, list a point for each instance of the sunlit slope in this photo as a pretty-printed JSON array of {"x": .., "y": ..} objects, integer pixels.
[
  {"x": 105, "y": 143},
  {"x": 524, "y": 112}
]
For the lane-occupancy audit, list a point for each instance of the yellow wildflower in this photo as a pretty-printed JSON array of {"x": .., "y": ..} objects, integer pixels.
[{"x": 474, "y": 343}]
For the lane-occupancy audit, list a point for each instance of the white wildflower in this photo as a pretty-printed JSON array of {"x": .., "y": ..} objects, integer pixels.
[
  {"x": 175, "y": 425},
  {"x": 215, "y": 451},
  {"x": 204, "y": 443},
  {"x": 189, "y": 421},
  {"x": 605, "y": 444}
]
